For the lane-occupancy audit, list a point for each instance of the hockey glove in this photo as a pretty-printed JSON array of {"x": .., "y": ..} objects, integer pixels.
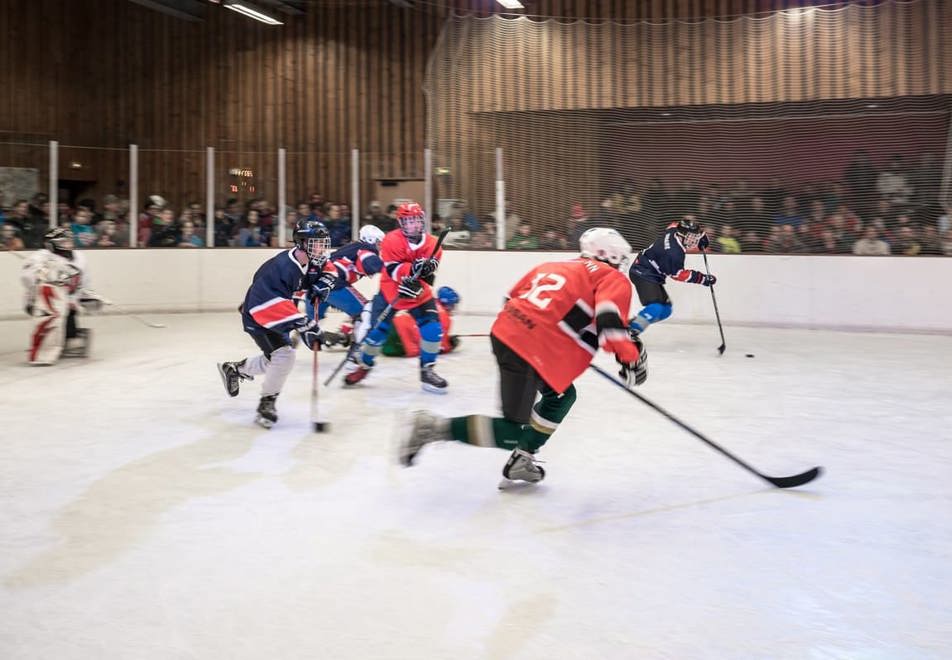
[
  {"x": 637, "y": 373},
  {"x": 311, "y": 335},
  {"x": 708, "y": 280},
  {"x": 424, "y": 267},
  {"x": 323, "y": 287},
  {"x": 410, "y": 288}
]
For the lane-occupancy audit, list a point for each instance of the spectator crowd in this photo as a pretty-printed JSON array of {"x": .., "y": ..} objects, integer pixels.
[{"x": 890, "y": 210}]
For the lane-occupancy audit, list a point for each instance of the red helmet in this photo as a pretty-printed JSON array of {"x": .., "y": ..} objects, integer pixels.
[{"x": 412, "y": 219}]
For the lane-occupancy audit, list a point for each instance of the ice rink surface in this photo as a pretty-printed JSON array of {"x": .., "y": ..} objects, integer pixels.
[{"x": 144, "y": 516}]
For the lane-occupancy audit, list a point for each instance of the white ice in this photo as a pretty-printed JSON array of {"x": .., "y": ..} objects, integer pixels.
[{"x": 143, "y": 515}]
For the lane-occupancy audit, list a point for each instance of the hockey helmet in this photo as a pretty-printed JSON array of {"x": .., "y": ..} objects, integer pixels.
[
  {"x": 604, "y": 244},
  {"x": 312, "y": 237},
  {"x": 447, "y": 297},
  {"x": 412, "y": 220},
  {"x": 688, "y": 230},
  {"x": 371, "y": 234},
  {"x": 59, "y": 240}
]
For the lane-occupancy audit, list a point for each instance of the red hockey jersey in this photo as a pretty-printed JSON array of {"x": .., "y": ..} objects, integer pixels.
[
  {"x": 398, "y": 256},
  {"x": 559, "y": 314}
]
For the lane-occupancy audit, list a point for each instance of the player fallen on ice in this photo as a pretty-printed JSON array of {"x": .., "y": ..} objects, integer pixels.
[
  {"x": 555, "y": 320},
  {"x": 269, "y": 314},
  {"x": 56, "y": 283},
  {"x": 662, "y": 259},
  {"x": 404, "y": 337},
  {"x": 353, "y": 261},
  {"x": 409, "y": 267}
]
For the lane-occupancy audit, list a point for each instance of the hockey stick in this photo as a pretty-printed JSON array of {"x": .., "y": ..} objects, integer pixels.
[
  {"x": 319, "y": 427},
  {"x": 779, "y": 482},
  {"x": 384, "y": 315},
  {"x": 717, "y": 314},
  {"x": 105, "y": 301}
]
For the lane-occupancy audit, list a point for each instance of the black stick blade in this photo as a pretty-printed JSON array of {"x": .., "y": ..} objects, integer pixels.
[
  {"x": 795, "y": 480},
  {"x": 720, "y": 349}
]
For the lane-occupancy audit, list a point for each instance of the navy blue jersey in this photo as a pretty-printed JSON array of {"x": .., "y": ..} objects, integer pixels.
[
  {"x": 663, "y": 258},
  {"x": 269, "y": 303},
  {"x": 355, "y": 260}
]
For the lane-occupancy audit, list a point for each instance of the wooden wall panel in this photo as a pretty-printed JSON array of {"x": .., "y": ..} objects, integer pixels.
[{"x": 350, "y": 74}]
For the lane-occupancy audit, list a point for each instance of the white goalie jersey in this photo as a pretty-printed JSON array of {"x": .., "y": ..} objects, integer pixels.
[{"x": 56, "y": 290}]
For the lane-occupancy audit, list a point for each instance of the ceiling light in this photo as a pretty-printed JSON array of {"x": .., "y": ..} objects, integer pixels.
[
  {"x": 511, "y": 4},
  {"x": 872, "y": 106},
  {"x": 252, "y": 12}
]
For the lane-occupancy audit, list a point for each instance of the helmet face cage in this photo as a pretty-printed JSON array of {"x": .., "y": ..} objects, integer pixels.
[
  {"x": 60, "y": 240},
  {"x": 691, "y": 239},
  {"x": 316, "y": 248},
  {"x": 412, "y": 226}
]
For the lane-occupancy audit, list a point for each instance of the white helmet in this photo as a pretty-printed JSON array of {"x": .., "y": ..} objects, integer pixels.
[
  {"x": 605, "y": 245},
  {"x": 371, "y": 234}
]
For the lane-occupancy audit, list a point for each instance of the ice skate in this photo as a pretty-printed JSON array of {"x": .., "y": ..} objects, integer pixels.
[
  {"x": 431, "y": 381},
  {"x": 423, "y": 428},
  {"x": 330, "y": 339},
  {"x": 267, "y": 415},
  {"x": 521, "y": 467},
  {"x": 356, "y": 372},
  {"x": 231, "y": 376}
]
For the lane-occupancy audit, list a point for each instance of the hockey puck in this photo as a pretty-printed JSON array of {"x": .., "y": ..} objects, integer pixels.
[
  {"x": 321, "y": 427},
  {"x": 750, "y": 355}
]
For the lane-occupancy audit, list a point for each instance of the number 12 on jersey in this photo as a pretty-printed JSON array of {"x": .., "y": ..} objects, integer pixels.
[{"x": 541, "y": 283}]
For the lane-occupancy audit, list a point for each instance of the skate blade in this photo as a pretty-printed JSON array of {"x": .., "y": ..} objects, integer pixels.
[
  {"x": 263, "y": 422},
  {"x": 517, "y": 484},
  {"x": 432, "y": 388}
]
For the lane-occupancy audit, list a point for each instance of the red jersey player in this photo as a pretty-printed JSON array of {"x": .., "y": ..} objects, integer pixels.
[
  {"x": 557, "y": 317},
  {"x": 409, "y": 265}
]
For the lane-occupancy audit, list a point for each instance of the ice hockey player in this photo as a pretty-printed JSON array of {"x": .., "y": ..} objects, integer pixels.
[
  {"x": 665, "y": 258},
  {"x": 269, "y": 314},
  {"x": 405, "y": 282},
  {"x": 56, "y": 283},
  {"x": 353, "y": 261},
  {"x": 555, "y": 320},
  {"x": 404, "y": 337}
]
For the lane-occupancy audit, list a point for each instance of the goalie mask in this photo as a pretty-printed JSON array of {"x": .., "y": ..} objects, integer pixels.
[
  {"x": 604, "y": 244},
  {"x": 59, "y": 240},
  {"x": 412, "y": 220},
  {"x": 312, "y": 237}
]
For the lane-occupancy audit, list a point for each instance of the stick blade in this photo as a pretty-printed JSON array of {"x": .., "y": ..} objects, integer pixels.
[
  {"x": 797, "y": 479},
  {"x": 721, "y": 349},
  {"x": 321, "y": 427}
]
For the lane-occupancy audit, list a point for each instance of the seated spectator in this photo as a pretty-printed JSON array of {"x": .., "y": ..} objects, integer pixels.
[
  {"x": 552, "y": 240},
  {"x": 578, "y": 224},
  {"x": 188, "y": 237},
  {"x": 338, "y": 228},
  {"x": 931, "y": 245},
  {"x": 783, "y": 240},
  {"x": 249, "y": 235},
  {"x": 84, "y": 234},
  {"x": 164, "y": 232},
  {"x": 906, "y": 242},
  {"x": 376, "y": 216},
  {"x": 871, "y": 245},
  {"x": 523, "y": 240},
  {"x": 485, "y": 239},
  {"x": 106, "y": 234},
  {"x": 790, "y": 215},
  {"x": 728, "y": 240},
  {"x": 9, "y": 237},
  {"x": 459, "y": 211},
  {"x": 512, "y": 220},
  {"x": 947, "y": 243},
  {"x": 891, "y": 183},
  {"x": 751, "y": 242}
]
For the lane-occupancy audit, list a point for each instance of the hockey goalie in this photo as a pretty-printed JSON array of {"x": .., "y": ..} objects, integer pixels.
[{"x": 56, "y": 290}]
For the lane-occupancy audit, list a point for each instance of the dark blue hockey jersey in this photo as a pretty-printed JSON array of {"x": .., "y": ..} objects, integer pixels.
[
  {"x": 354, "y": 261},
  {"x": 269, "y": 303},
  {"x": 665, "y": 258}
]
